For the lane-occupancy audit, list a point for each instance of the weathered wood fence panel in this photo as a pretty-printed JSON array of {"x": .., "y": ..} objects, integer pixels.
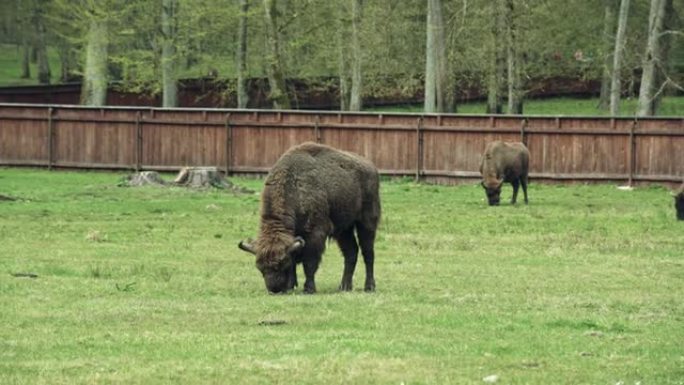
[{"x": 426, "y": 146}]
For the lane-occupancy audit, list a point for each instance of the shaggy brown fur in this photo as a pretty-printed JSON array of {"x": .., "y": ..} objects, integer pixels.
[
  {"x": 504, "y": 162},
  {"x": 679, "y": 202},
  {"x": 314, "y": 192}
]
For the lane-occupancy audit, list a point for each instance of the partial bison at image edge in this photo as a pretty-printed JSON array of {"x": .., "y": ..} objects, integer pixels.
[
  {"x": 312, "y": 193},
  {"x": 679, "y": 202},
  {"x": 504, "y": 162}
]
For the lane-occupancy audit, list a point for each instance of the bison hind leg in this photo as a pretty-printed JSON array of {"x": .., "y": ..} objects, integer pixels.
[
  {"x": 523, "y": 183},
  {"x": 367, "y": 243},
  {"x": 347, "y": 242}
]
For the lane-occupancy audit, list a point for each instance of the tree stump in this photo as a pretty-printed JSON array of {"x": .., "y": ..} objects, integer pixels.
[
  {"x": 192, "y": 177},
  {"x": 144, "y": 178},
  {"x": 203, "y": 177},
  {"x": 199, "y": 177}
]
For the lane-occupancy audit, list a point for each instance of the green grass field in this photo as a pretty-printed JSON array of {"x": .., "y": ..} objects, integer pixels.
[
  {"x": 10, "y": 67},
  {"x": 147, "y": 286},
  {"x": 670, "y": 106}
]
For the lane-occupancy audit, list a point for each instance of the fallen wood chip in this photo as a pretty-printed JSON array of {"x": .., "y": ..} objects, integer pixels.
[
  {"x": 272, "y": 322},
  {"x": 25, "y": 275}
]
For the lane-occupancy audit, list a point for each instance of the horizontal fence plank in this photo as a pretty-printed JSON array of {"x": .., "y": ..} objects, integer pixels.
[{"x": 424, "y": 146}]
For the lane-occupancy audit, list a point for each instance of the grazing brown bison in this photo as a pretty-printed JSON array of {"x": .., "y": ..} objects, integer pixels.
[
  {"x": 314, "y": 192},
  {"x": 504, "y": 162},
  {"x": 679, "y": 202}
]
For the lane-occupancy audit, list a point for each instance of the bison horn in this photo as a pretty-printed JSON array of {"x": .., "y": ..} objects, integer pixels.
[
  {"x": 247, "y": 246},
  {"x": 296, "y": 245}
]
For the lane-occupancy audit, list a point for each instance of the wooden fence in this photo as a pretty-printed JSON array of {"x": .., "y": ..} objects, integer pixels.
[{"x": 438, "y": 147}]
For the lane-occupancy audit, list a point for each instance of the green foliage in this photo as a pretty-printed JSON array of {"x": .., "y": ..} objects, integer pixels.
[{"x": 581, "y": 286}]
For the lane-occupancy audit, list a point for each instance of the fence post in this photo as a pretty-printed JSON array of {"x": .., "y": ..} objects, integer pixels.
[
  {"x": 419, "y": 152},
  {"x": 317, "y": 129},
  {"x": 632, "y": 149},
  {"x": 229, "y": 145},
  {"x": 138, "y": 142},
  {"x": 50, "y": 139}
]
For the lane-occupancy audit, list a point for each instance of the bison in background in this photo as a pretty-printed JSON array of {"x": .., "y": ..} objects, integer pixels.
[
  {"x": 679, "y": 202},
  {"x": 504, "y": 162},
  {"x": 314, "y": 192}
]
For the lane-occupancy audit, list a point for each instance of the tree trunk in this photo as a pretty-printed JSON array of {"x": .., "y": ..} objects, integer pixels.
[
  {"x": 168, "y": 55},
  {"x": 430, "y": 97},
  {"x": 497, "y": 61},
  {"x": 670, "y": 24},
  {"x": 94, "y": 92},
  {"x": 617, "y": 58},
  {"x": 242, "y": 95},
  {"x": 344, "y": 70},
  {"x": 438, "y": 85},
  {"x": 607, "y": 45},
  {"x": 41, "y": 47},
  {"x": 652, "y": 60},
  {"x": 276, "y": 79},
  {"x": 66, "y": 61},
  {"x": 514, "y": 62},
  {"x": 355, "y": 100},
  {"x": 25, "y": 58},
  {"x": 25, "y": 30}
]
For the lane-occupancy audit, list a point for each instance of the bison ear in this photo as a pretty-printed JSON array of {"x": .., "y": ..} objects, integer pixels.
[
  {"x": 296, "y": 245},
  {"x": 247, "y": 246}
]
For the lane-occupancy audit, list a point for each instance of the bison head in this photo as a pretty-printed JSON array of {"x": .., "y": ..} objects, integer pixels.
[
  {"x": 276, "y": 264},
  {"x": 492, "y": 188}
]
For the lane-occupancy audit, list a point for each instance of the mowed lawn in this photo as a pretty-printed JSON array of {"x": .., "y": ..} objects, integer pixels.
[{"x": 147, "y": 286}]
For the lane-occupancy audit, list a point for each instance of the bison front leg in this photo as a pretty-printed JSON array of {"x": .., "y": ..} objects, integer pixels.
[
  {"x": 310, "y": 271},
  {"x": 350, "y": 250},
  {"x": 311, "y": 258},
  {"x": 516, "y": 185}
]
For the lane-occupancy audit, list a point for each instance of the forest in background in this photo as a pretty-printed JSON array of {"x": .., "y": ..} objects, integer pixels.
[{"x": 366, "y": 47}]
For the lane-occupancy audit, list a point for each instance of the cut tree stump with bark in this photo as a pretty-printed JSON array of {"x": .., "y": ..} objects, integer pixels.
[
  {"x": 193, "y": 177},
  {"x": 202, "y": 177},
  {"x": 144, "y": 178}
]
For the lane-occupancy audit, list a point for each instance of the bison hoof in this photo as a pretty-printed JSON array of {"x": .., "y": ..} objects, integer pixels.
[
  {"x": 370, "y": 286},
  {"x": 309, "y": 289},
  {"x": 345, "y": 286}
]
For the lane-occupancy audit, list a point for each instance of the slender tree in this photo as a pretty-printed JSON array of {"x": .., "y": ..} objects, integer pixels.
[
  {"x": 355, "y": 99},
  {"x": 653, "y": 60},
  {"x": 40, "y": 44},
  {"x": 95, "y": 76},
  {"x": 242, "y": 94},
  {"x": 496, "y": 70},
  {"x": 343, "y": 68},
  {"x": 615, "y": 87},
  {"x": 607, "y": 49},
  {"x": 438, "y": 93},
  {"x": 169, "y": 12},
  {"x": 26, "y": 32},
  {"x": 513, "y": 61},
  {"x": 276, "y": 79}
]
